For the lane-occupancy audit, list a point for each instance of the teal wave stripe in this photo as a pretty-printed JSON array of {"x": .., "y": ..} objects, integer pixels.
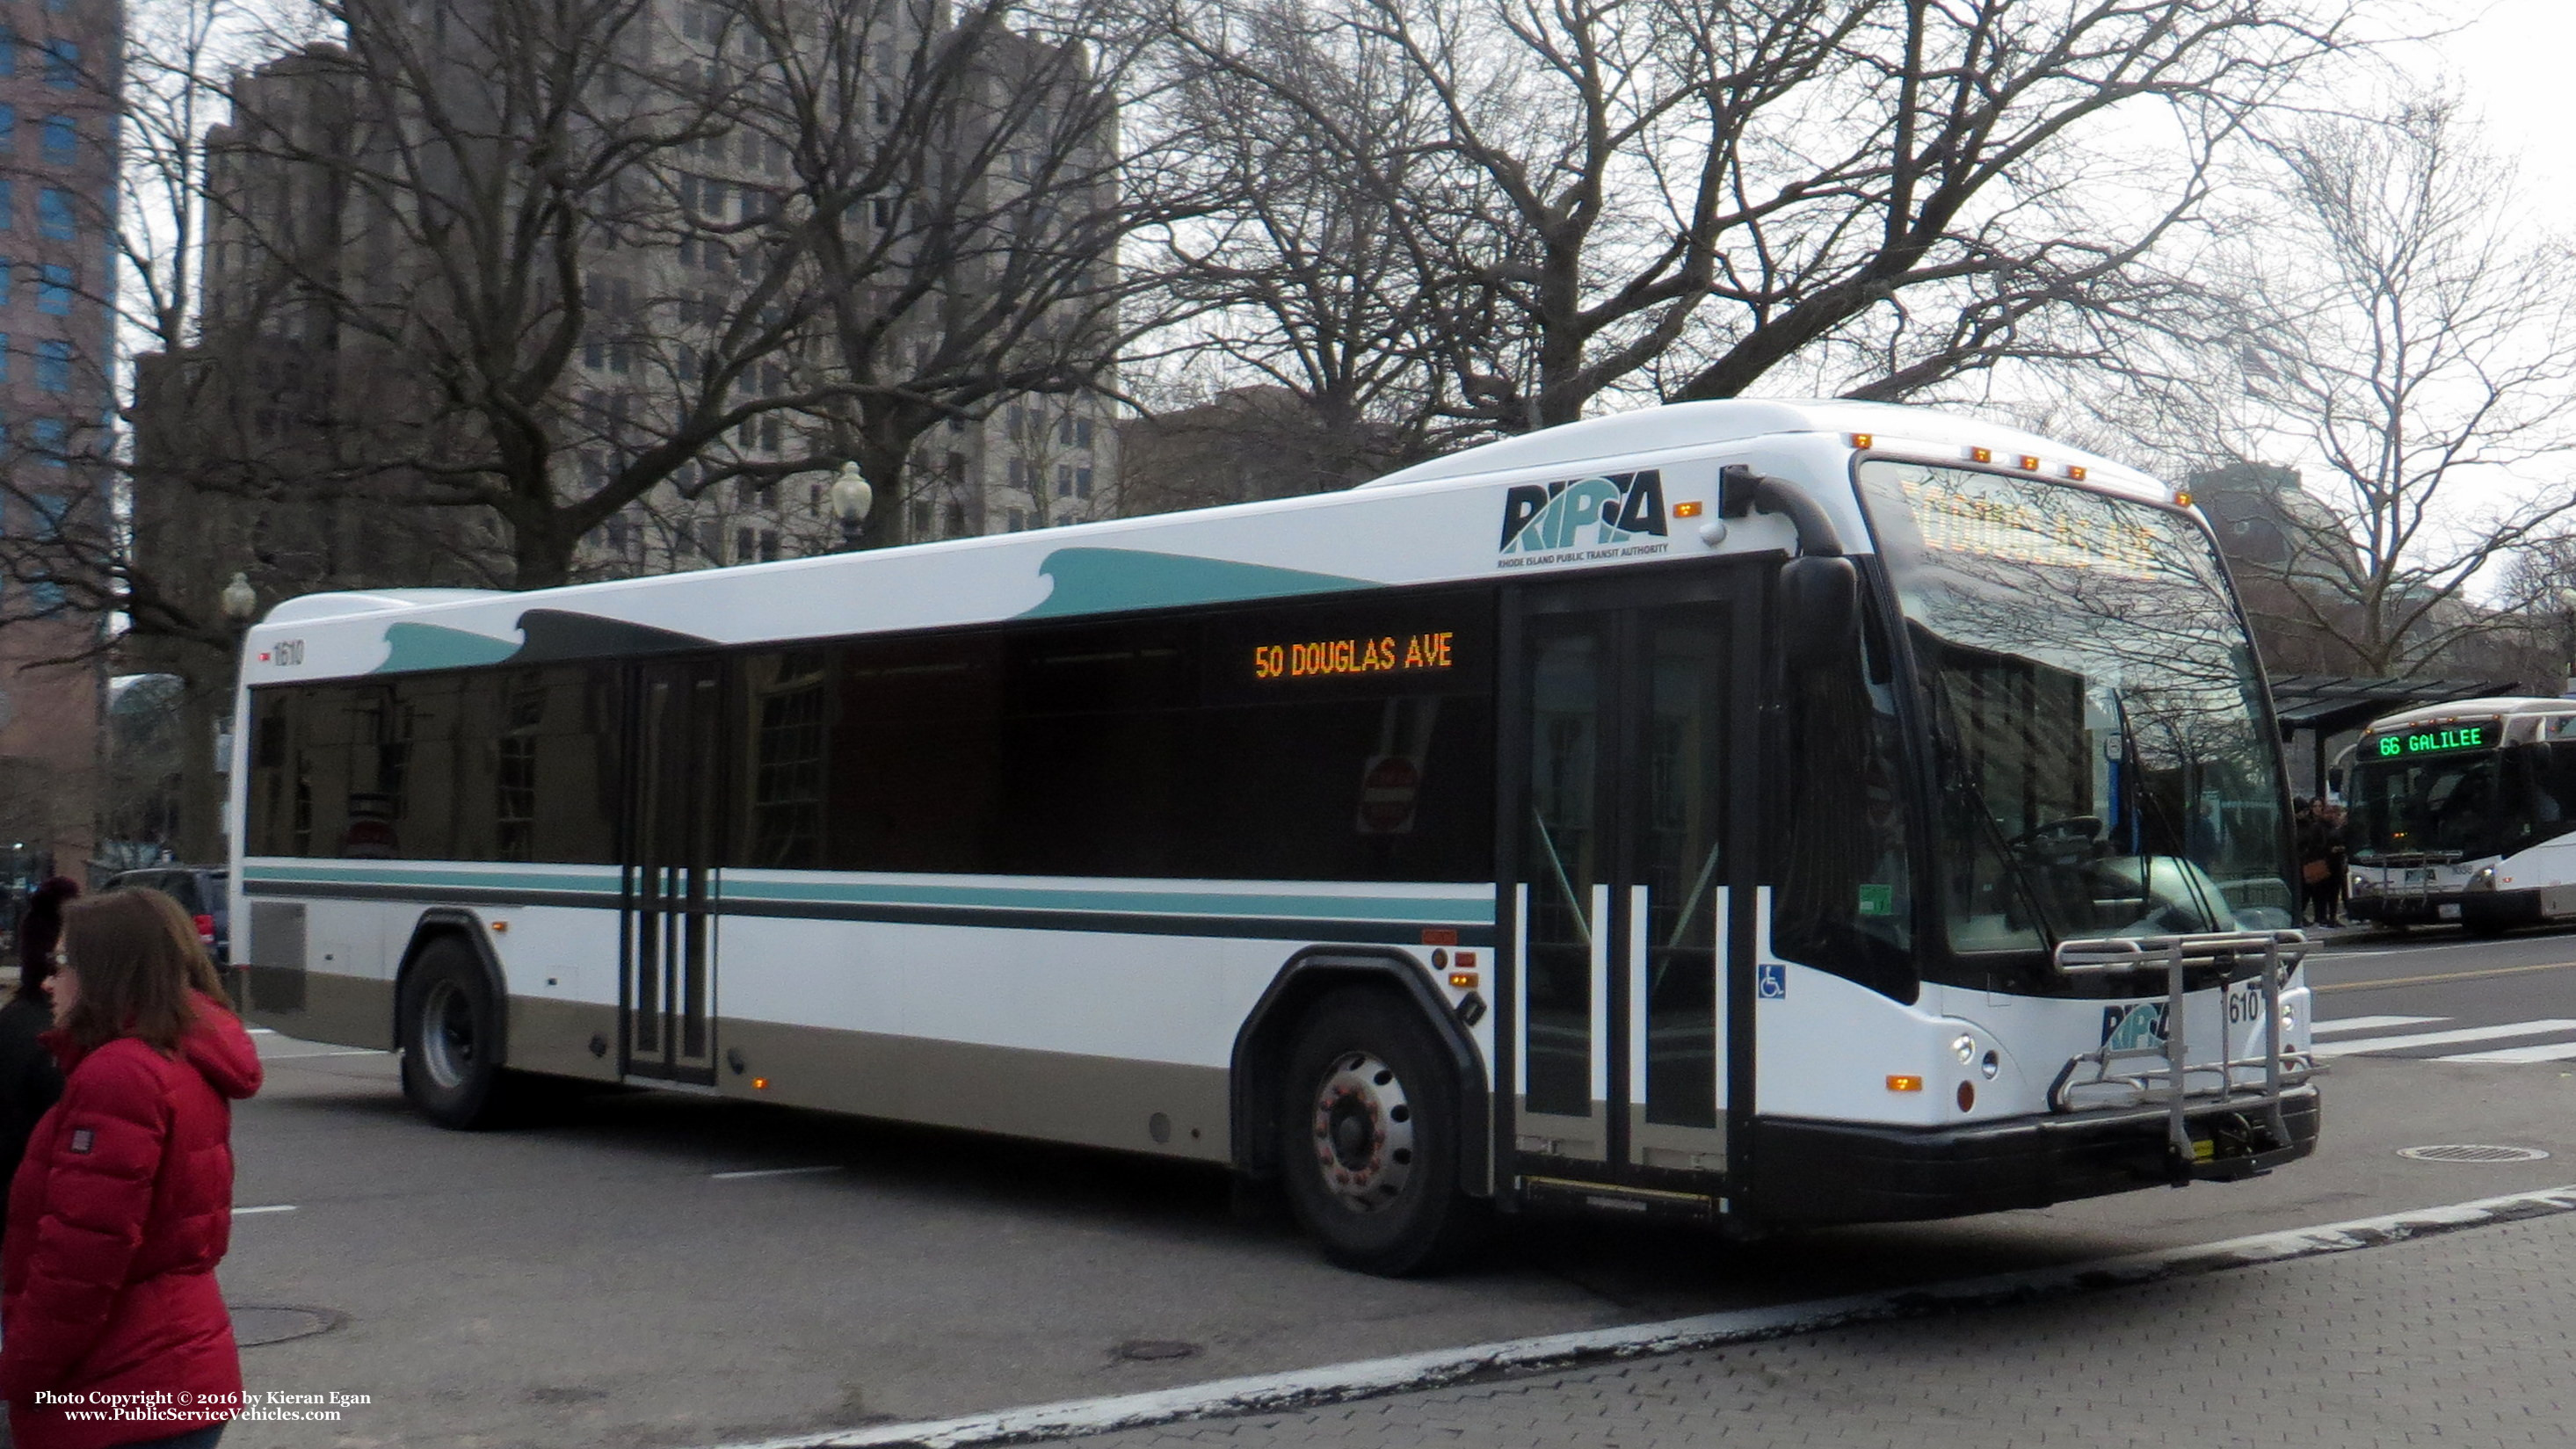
[
  {"x": 431, "y": 646},
  {"x": 1108, "y": 580},
  {"x": 1320, "y": 905}
]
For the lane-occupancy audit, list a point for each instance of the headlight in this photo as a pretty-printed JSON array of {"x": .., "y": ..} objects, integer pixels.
[
  {"x": 2484, "y": 880},
  {"x": 1966, "y": 1049},
  {"x": 2363, "y": 885}
]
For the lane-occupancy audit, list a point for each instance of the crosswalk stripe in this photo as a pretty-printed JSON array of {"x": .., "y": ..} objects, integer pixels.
[
  {"x": 2372, "y": 1023},
  {"x": 2442, "y": 1038},
  {"x": 2555, "y": 1051}
]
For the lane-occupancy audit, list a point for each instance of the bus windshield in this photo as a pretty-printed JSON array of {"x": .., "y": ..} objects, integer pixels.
[
  {"x": 2462, "y": 806},
  {"x": 2100, "y": 745}
]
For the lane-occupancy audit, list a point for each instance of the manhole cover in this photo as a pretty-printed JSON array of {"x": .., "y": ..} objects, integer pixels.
[
  {"x": 254, "y": 1326},
  {"x": 2471, "y": 1152},
  {"x": 1150, "y": 1350}
]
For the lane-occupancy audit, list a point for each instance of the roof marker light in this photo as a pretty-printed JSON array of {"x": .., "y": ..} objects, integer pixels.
[
  {"x": 2030, "y": 462},
  {"x": 1863, "y": 440},
  {"x": 2182, "y": 498},
  {"x": 2075, "y": 472},
  {"x": 1982, "y": 455}
]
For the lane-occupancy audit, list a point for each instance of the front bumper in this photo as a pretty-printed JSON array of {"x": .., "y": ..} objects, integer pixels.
[
  {"x": 1831, "y": 1172},
  {"x": 2412, "y": 908},
  {"x": 2502, "y": 910}
]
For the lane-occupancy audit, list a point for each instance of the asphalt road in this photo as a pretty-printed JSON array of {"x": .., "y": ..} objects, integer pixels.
[{"x": 662, "y": 1270}]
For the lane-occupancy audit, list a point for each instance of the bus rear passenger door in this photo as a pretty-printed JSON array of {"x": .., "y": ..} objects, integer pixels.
[
  {"x": 667, "y": 997},
  {"x": 1635, "y": 717}
]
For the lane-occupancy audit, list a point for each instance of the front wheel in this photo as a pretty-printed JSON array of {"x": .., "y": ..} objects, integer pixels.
[
  {"x": 1371, "y": 1137},
  {"x": 451, "y": 1035}
]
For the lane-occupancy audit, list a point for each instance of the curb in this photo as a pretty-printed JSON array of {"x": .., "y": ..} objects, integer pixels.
[{"x": 1438, "y": 1368}]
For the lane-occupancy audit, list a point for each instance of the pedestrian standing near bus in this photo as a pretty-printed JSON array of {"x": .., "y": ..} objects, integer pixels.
[
  {"x": 30, "y": 1079},
  {"x": 123, "y": 1206}
]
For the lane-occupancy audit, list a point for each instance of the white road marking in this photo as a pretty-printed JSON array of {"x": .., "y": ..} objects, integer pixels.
[
  {"x": 282, "y": 1207},
  {"x": 261, "y": 1030},
  {"x": 2556, "y": 1051},
  {"x": 2372, "y": 1023},
  {"x": 1408, "y": 1373},
  {"x": 2443, "y": 1038},
  {"x": 775, "y": 1171},
  {"x": 299, "y": 1056}
]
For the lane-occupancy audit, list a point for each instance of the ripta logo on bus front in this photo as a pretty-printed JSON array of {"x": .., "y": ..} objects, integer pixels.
[{"x": 1607, "y": 515}]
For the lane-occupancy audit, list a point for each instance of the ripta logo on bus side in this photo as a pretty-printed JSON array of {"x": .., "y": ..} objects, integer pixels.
[
  {"x": 2125, "y": 1028},
  {"x": 1607, "y": 515}
]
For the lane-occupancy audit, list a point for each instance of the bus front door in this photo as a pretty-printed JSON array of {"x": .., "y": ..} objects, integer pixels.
[
  {"x": 1633, "y": 765},
  {"x": 667, "y": 999}
]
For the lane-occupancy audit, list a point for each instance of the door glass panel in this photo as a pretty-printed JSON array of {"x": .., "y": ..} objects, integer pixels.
[
  {"x": 1681, "y": 831},
  {"x": 1563, "y": 850}
]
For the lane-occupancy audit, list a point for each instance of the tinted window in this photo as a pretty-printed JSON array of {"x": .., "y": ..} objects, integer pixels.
[
  {"x": 1157, "y": 747},
  {"x": 492, "y": 765}
]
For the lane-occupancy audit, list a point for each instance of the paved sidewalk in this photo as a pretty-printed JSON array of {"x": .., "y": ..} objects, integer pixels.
[{"x": 2463, "y": 1340}]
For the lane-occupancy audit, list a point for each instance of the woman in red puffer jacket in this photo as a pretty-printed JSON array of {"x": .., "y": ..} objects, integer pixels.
[{"x": 112, "y": 1331}]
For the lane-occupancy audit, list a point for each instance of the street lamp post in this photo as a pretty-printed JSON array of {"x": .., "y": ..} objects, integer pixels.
[
  {"x": 851, "y": 499},
  {"x": 2567, "y": 600}
]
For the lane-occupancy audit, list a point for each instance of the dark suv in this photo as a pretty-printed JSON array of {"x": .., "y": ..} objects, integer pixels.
[{"x": 203, "y": 891}]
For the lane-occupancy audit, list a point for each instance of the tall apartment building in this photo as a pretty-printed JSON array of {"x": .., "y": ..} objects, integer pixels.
[
  {"x": 58, "y": 173},
  {"x": 291, "y": 387},
  {"x": 1026, "y": 462}
]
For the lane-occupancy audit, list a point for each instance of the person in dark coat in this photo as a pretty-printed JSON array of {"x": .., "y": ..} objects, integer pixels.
[
  {"x": 29, "y": 1079},
  {"x": 123, "y": 1206}
]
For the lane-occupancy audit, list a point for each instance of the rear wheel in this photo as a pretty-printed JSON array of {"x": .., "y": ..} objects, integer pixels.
[
  {"x": 1371, "y": 1132},
  {"x": 451, "y": 1036}
]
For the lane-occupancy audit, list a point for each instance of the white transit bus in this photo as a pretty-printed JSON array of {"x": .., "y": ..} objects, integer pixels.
[
  {"x": 2464, "y": 812},
  {"x": 1767, "y": 813}
]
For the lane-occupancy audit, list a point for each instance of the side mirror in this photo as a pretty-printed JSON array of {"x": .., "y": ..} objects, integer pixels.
[{"x": 1819, "y": 610}]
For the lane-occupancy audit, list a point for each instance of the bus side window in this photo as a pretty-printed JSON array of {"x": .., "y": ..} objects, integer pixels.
[{"x": 1843, "y": 898}]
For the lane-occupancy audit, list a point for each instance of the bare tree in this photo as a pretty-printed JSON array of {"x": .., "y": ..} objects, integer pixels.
[
  {"x": 2404, "y": 336},
  {"x": 1315, "y": 281},
  {"x": 1685, "y": 197},
  {"x": 960, "y": 197}
]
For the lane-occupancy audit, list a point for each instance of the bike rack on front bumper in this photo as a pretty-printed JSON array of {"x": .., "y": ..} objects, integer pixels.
[{"x": 2168, "y": 1081}]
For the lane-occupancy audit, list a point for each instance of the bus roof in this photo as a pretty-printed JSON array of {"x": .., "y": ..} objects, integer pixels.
[
  {"x": 1445, "y": 521},
  {"x": 2486, "y": 708},
  {"x": 1892, "y": 427}
]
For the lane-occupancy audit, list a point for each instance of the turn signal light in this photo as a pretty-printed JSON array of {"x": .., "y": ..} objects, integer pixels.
[
  {"x": 1905, "y": 1084},
  {"x": 1688, "y": 509},
  {"x": 1862, "y": 440},
  {"x": 1463, "y": 980},
  {"x": 760, "y": 1084}
]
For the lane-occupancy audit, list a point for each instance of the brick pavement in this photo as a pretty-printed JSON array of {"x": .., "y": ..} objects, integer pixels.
[{"x": 2463, "y": 1340}]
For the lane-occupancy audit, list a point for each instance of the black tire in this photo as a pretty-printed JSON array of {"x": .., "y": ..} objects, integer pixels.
[
  {"x": 451, "y": 1030},
  {"x": 1370, "y": 1138}
]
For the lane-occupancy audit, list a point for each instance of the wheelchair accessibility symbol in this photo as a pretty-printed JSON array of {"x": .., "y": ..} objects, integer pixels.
[{"x": 1771, "y": 981}]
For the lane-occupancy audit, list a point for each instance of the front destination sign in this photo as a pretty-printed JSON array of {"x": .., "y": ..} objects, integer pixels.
[{"x": 2440, "y": 741}]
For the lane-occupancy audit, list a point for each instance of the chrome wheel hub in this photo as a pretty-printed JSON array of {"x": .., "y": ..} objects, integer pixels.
[
  {"x": 447, "y": 1034},
  {"x": 1363, "y": 1132}
]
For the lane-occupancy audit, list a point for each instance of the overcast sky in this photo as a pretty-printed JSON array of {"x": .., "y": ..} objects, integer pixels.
[{"x": 2515, "y": 63}]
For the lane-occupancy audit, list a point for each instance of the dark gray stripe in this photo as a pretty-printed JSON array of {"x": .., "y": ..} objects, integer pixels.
[{"x": 1399, "y": 933}]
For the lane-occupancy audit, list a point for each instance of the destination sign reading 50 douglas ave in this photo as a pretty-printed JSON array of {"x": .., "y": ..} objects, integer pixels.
[{"x": 1323, "y": 658}]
